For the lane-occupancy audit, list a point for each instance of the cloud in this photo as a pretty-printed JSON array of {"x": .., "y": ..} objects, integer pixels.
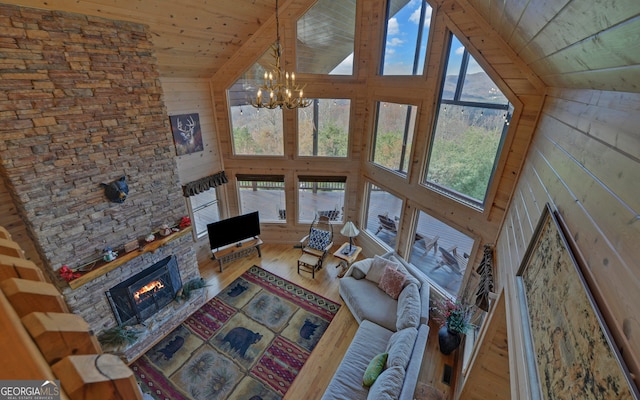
[
  {"x": 394, "y": 42},
  {"x": 460, "y": 50},
  {"x": 393, "y": 28},
  {"x": 415, "y": 16}
]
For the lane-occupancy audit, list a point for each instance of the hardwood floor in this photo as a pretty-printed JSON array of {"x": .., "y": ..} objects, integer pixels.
[{"x": 325, "y": 358}]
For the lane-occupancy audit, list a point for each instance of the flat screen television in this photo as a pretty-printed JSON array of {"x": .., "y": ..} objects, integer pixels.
[{"x": 233, "y": 230}]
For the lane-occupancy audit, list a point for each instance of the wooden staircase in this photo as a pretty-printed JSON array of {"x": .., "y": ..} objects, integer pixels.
[{"x": 42, "y": 340}]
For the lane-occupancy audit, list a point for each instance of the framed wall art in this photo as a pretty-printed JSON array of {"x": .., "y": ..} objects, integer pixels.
[
  {"x": 569, "y": 350},
  {"x": 187, "y": 134}
]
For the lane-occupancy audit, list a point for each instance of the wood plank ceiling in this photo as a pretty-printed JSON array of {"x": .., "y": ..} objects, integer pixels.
[
  {"x": 572, "y": 43},
  {"x": 567, "y": 43},
  {"x": 193, "y": 38}
]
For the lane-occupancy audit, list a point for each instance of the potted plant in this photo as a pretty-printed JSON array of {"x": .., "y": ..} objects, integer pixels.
[{"x": 455, "y": 320}]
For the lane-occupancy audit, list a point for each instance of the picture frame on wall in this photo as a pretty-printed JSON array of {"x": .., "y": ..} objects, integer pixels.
[
  {"x": 569, "y": 350},
  {"x": 187, "y": 133}
]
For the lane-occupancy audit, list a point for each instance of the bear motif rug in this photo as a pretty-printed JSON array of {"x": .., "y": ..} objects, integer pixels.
[{"x": 248, "y": 342}]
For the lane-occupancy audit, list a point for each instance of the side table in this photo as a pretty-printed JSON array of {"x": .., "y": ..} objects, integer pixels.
[{"x": 346, "y": 258}]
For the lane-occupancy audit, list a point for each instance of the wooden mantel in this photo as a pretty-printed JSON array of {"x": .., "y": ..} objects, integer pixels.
[{"x": 105, "y": 267}]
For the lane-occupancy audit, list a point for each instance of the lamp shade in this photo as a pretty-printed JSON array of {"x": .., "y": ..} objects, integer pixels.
[{"x": 349, "y": 230}]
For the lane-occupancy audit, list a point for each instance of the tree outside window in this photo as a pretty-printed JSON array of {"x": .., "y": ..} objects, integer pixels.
[
  {"x": 257, "y": 131},
  {"x": 323, "y": 128},
  {"x": 394, "y": 128},
  {"x": 473, "y": 116},
  {"x": 254, "y": 131}
]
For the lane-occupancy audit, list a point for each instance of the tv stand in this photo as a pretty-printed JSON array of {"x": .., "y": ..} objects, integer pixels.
[{"x": 237, "y": 250}]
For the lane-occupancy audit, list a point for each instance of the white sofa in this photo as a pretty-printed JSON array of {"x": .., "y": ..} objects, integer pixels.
[
  {"x": 366, "y": 300},
  {"x": 397, "y": 327}
]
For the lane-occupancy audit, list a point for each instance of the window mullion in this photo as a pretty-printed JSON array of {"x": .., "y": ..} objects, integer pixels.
[
  {"x": 461, "y": 76},
  {"x": 416, "y": 57},
  {"x": 405, "y": 138}
]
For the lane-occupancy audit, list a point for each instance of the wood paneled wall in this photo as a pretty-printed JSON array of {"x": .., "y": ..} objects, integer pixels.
[
  {"x": 186, "y": 96},
  {"x": 572, "y": 43},
  {"x": 584, "y": 161},
  {"x": 487, "y": 378}
]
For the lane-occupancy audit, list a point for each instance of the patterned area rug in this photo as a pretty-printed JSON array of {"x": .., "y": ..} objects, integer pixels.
[{"x": 249, "y": 342}]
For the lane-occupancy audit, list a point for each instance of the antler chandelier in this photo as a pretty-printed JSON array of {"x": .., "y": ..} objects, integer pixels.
[{"x": 279, "y": 88}]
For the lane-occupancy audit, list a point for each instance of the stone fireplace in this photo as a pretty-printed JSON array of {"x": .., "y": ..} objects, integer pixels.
[
  {"x": 83, "y": 106},
  {"x": 138, "y": 298}
]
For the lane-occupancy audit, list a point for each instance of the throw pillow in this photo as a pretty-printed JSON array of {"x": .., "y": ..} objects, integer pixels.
[
  {"x": 392, "y": 282},
  {"x": 318, "y": 239},
  {"x": 409, "y": 308},
  {"x": 388, "y": 385},
  {"x": 377, "y": 269},
  {"x": 374, "y": 369},
  {"x": 400, "y": 347},
  {"x": 410, "y": 278}
]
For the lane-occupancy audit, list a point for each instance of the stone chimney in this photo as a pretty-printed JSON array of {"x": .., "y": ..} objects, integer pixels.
[{"x": 81, "y": 104}]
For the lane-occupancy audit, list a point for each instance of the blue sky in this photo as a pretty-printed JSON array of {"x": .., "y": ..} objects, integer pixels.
[{"x": 402, "y": 31}]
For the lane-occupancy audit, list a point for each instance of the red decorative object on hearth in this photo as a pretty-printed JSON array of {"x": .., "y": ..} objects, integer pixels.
[
  {"x": 68, "y": 274},
  {"x": 184, "y": 222}
]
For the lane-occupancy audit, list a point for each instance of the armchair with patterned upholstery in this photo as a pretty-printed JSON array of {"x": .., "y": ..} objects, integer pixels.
[{"x": 316, "y": 245}]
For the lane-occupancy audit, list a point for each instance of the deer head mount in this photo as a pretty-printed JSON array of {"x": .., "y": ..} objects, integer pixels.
[{"x": 117, "y": 190}]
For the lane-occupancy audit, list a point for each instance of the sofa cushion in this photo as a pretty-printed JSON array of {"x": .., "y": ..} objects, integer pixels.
[
  {"x": 366, "y": 301},
  {"x": 374, "y": 369},
  {"x": 392, "y": 281},
  {"x": 370, "y": 339},
  {"x": 408, "y": 308},
  {"x": 400, "y": 347},
  {"x": 388, "y": 385},
  {"x": 357, "y": 273},
  {"x": 377, "y": 268}
]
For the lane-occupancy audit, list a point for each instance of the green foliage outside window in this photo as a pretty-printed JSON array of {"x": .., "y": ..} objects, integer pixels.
[
  {"x": 326, "y": 121},
  {"x": 463, "y": 154},
  {"x": 389, "y": 149},
  {"x": 393, "y": 135},
  {"x": 332, "y": 142},
  {"x": 257, "y": 132}
]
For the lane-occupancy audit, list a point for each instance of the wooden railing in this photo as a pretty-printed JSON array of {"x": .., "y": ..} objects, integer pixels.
[
  {"x": 269, "y": 185},
  {"x": 43, "y": 341}
]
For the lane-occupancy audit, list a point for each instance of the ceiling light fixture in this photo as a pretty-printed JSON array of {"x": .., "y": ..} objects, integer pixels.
[{"x": 279, "y": 88}]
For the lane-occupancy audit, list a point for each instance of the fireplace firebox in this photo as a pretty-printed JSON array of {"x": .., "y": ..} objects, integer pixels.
[{"x": 139, "y": 297}]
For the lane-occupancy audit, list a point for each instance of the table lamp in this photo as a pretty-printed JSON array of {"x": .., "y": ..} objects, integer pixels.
[{"x": 349, "y": 230}]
